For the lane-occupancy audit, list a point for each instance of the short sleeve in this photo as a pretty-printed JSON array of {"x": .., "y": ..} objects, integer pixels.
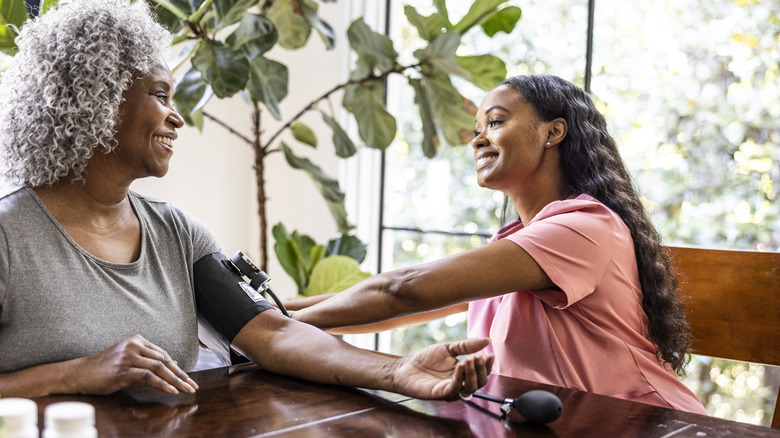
[
  {"x": 203, "y": 242},
  {"x": 573, "y": 242}
]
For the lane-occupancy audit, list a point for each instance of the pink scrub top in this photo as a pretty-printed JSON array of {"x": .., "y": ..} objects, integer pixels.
[{"x": 591, "y": 333}]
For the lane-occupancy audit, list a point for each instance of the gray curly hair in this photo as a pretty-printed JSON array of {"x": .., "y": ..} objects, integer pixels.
[{"x": 62, "y": 92}]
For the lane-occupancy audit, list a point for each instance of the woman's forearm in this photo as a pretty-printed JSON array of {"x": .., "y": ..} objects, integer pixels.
[
  {"x": 394, "y": 323},
  {"x": 373, "y": 300},
  {"x": 284, "y": 346},
  {"x": 38, "y": 381},
  {"x": 302, "y": 303}
]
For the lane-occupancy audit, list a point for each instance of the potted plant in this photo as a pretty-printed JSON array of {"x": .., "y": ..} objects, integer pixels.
[{"x": 222, "y": 48}]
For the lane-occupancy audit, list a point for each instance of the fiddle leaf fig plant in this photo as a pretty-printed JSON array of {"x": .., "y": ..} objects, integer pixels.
[
  {"x": 318, "y": 269},
  {"x": 222, "y": 48},
  {"x": 234, "y": 60}
]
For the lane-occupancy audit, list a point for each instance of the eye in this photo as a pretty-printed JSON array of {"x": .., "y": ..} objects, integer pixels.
[
  {"x": 492, "y": 123},
  {"x": 476, "y": 133}
]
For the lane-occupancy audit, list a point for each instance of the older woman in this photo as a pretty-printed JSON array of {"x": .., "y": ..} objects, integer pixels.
[
  {"x": 96, "y": 281},
  {"x": 577, "y": 292}
]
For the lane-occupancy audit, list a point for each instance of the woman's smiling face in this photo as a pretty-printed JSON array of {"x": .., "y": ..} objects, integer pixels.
[
  {"x": 147, "y": 124},
  {"x": 509, "y": 142}
]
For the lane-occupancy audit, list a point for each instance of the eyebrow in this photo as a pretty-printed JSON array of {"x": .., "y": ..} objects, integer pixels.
[
  {"x": 162, "y": 83},
  {"x": 493, "y": 108}
]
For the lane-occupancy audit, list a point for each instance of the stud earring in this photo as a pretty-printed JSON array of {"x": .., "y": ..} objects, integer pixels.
[{"x": 548, "y": 143}]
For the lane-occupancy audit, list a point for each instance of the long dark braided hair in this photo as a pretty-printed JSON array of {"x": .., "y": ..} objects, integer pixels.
[{"x": 591, "y": 164}]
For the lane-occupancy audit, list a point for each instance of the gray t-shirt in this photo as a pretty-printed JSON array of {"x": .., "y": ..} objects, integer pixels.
[{"x": 58, "y": 302}]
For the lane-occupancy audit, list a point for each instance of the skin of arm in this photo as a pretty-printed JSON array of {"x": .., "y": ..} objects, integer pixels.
[
  {"x": 132, "y": 360},
  {"x": 494, "y": 269},
  {"x": 285, "y": 346},
  {"x": 294, "y": 306}
]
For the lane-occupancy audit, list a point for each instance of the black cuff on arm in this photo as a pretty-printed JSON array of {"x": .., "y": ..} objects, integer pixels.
[{"x": 223, "y": 298}]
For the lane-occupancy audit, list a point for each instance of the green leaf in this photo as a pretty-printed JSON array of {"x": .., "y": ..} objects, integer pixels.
[
  {"x": 254, "y": 36},
  {"x": 328, "y": 187},
  {"x": 224, "y": 68},
  {"x": 201, "y": 8},
  {"x": 339, "y": 213},
  {"x": 194, "y": 119},
  {"x": 430, "y": 140},
  {"x": 184, "y": 57},
  {"x": 349, "y": 246},
  {"x": 46, "y": 5},
  {"x": 174, "y": 23},
  {"x": 180, "y": 9},
  {"x": 294, "y": 253},
  {"x": 334, "y": 274},
  {"x": 12, "y": 13},
  {"x": 376, "y": 126},
  {"x": 7, "y": 41},
  {"x": 375, "y": 51},
  {"x": 325, "y": 30},
  {"x": 486, "y": 71},
  {"x": 440, "y": 54},
  {"x": 316, "y": 253},
  {"x": 293, "y": 29},
  {"x": 441, "y": 6},
  {"x": 268, "y": 83},
  {"x": 428, "y": 27},
  {"x": 341, "y": 141},
  {"x": 192, "y": 93},
  {"x": 230, "y": 11},
  {"x": 303, "y": 134},
  {"x": 449, "y": 110},
  {"x": 479, "y": 11},
  {"x": 504, "y": 20},
  {"x": 5, "y": 62}
]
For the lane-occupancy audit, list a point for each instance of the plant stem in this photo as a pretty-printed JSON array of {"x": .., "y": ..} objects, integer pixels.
[
  {"x": 313, "y": 103},
  {"x": 260, "y": 154},
  {"x": 231, "y": 130},
  {"x": 262, "y": 150}
]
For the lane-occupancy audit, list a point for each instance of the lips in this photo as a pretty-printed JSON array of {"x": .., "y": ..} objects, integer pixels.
[
  {"x": 485, "y": 158},
  {"x": 166, "y": 142}
]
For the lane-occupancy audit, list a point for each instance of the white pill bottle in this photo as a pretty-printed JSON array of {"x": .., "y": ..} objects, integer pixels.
[
  {"x": 69, "y": 420},
  {"x": 18, "y": 418}
]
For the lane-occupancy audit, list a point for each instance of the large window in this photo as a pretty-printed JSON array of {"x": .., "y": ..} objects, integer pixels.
[{"x": 690, "y": 91}]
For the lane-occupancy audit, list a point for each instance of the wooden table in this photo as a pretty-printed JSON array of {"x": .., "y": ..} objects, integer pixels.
[{"x": 244, "y": 401}]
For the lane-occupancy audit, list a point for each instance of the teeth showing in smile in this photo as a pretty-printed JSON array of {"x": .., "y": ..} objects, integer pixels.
[
  {"x": 484, "y": 160},
  {"x": 164, "y": 140}
]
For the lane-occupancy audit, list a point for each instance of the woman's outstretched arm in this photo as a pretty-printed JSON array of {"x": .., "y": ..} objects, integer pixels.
[{"x": 494, "y": 269}]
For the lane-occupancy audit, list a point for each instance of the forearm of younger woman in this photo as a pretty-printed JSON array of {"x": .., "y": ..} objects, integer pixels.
[{"x": 494, "y": 269}]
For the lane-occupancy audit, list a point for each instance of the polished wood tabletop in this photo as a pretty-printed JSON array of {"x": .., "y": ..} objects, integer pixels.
[{"x": 245, "y": 401}]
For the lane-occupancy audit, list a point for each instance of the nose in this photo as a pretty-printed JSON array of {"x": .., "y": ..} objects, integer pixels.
[
  {"x": 175, "y": 119},
  {"x": 479, "y": 140}
]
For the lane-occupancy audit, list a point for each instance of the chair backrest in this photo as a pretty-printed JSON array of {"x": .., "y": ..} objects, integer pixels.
[{"x": 732, "y": 300}]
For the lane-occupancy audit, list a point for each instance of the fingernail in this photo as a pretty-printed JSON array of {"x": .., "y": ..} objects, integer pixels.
[
  {"x": 193, "y": 384},
  {"x": 172, "y": 389}
]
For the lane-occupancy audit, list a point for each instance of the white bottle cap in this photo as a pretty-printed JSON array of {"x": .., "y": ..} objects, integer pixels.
[
  {"x": 69, "y": 420},
  {"x": 18, "y": 418}
]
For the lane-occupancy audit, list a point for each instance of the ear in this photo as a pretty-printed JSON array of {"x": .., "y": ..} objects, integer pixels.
[{"x": 556, "y": 131}]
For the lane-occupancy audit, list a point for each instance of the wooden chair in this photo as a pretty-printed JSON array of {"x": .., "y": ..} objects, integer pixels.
[{"x": 732, "y": 299}]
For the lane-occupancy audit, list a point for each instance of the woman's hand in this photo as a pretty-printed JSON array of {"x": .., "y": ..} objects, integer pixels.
[
  {"x": 436, "y": 372},
  {"x": 133, "y": 360}
]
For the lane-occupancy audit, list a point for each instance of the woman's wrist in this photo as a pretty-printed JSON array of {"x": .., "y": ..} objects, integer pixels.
[{"x": 68, "y": 376}]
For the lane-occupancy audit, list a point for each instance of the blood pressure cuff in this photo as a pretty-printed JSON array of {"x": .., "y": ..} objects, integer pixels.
[{"x": 223, "y": 298}]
